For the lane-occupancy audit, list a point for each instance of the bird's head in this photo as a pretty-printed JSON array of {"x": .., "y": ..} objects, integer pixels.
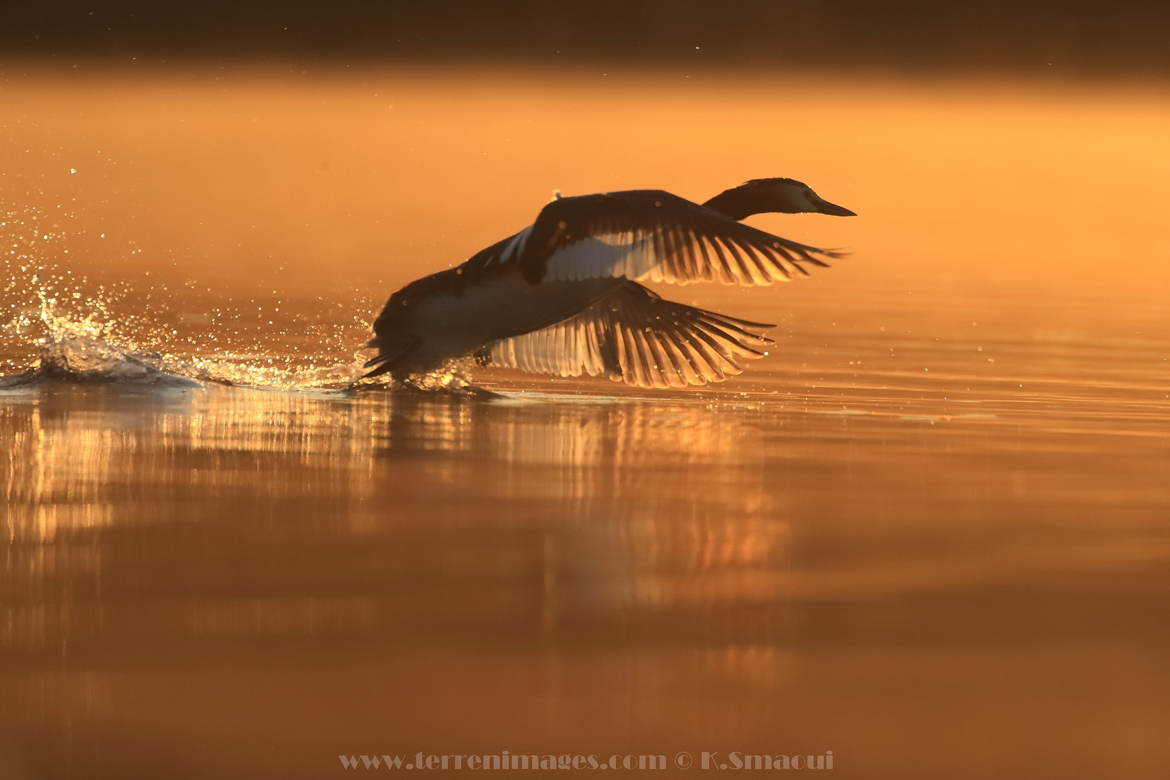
[{"x": 789, "y": 196}]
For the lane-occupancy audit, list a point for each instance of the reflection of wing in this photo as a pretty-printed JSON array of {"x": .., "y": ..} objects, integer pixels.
[
  {"x": 652, "y": 235},
  {"x": 633, "y": 336}
]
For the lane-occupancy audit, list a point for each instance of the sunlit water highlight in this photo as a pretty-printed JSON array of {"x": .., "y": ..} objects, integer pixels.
[{"x": 928, "y": 532}]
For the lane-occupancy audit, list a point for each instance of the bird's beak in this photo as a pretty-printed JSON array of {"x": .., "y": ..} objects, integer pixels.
[{"x": 824, "y": 207}]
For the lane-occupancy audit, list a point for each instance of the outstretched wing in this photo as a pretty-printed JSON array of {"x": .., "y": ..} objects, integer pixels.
[
  {"x": 632, "y": 335},
  {"x": 652, "y": 235}
]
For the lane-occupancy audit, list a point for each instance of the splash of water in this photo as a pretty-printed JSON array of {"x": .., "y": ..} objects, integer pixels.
[
  {"x": 64, "y": 325},
  {"x": 67, "y": 326},
  {"x": 89, "y": 348},
  {"x": 84, "y": 338}
]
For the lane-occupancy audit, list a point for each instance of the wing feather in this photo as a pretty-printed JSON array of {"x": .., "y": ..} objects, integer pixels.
[
  {"x": 653, "y": 235},
  {"x": 634, "y": 336}
]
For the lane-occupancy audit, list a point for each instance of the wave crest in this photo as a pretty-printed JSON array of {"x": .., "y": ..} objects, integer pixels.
[{"x": 82, "y": 358}]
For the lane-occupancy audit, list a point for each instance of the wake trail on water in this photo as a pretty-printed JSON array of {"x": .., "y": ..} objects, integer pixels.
[
  {"x": 83, "y": 338},
  {"x": 84, "y": 350},
  {"x": 59, "y": 325}
]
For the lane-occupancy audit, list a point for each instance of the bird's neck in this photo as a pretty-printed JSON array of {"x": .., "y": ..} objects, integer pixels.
[
  {"x": 733, "y": 203},
  {"x": 743, "y": 201}
]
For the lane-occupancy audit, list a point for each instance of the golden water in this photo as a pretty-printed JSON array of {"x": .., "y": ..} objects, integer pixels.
[{"x": 929, "y": 532}]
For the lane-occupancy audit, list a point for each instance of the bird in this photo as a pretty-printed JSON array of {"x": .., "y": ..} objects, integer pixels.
[{"x": 565, "y": 295}]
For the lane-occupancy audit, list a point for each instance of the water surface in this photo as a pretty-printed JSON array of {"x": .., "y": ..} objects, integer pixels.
[{"x": 928, "y": 532}]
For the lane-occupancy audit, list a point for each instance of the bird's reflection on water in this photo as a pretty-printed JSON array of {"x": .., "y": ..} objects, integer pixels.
[
  {"x": 509, "y": 496},
  {"x": 423, "y": 527},
  {"x": 314, "y": 570}
]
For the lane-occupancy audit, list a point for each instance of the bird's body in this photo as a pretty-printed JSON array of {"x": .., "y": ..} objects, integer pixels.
[
  {"x": 462, "y": 311},
  {"x": 562, "y": 295}
]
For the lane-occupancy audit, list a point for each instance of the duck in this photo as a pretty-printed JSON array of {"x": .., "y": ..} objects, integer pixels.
[{"x": 566, "y": 295}]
